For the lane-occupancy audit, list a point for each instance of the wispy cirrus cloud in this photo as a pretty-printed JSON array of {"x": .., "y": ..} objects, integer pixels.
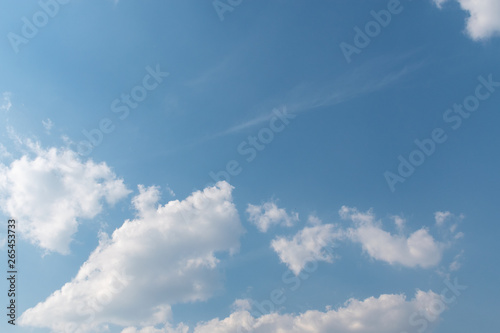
[
  {"x": 47, "y": 124},
  {"x": 307, "y": 97},
  {"x": 6, "y": 101}
]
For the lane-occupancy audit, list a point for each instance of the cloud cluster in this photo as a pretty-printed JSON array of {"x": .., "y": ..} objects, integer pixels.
[
  {"x": 50, "y": 192},
  {"x": 166, "y": 255},
  {"x": 484, "y": 17},
  {"x": 315, "y": 242},
  {"x": 388, "y": 313},
  {"x": 268, "y": 214},
  {"x": 169, "y": 254}
]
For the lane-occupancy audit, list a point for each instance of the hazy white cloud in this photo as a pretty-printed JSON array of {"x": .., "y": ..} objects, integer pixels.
[
  {"x": 449, "y": 223},
  {"x": 308, "y": 245},
  {"x": 418, "y": 249},
  {"x": 50, "y": 191},
  {"x": 166, "y": 255},
  {"x": 313, "y": 220},
  {"x": 268, "y": 214},
  {"x": 441, "y": 217},
  {"x": 456, "y": 263},
  {"x": 170, "y": 191},
  {"x": 47, "y": 124},
  {"x": 484, "y": 17},
  {"x": 151, "y": 329},
  {"x": 399, "y": 222},
  {"x": 440, "y": 3},
  {"x": 6, "y": 103},
  {"x": 3, "y": 241},
  {"x": 387, "y": 313},
  {"x": 4, "y": 153}
]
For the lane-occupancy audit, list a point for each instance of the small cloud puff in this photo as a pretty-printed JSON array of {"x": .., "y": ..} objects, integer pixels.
[
  {"x": 418, "y": 249},
  {"x": 268, "y": 214},
  {"x": 310, "y": 244}
]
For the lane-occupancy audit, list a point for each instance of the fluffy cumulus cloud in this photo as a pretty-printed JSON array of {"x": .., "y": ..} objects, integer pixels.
[
  {"x": 268, "y": 214},
  {"x": 313, "y": 243},
  {"x": 387, "y": 313},
  {"x": 418, "y": 249},
  {"x": 50, "y": 191},
  {"x": 166, "y": 255},
  {"x": 484, "y": 17}
]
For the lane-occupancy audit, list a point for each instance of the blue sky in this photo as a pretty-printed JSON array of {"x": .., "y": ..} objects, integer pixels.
[{"x": 251, "y": 166}]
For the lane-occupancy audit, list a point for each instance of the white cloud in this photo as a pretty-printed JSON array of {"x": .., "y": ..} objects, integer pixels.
[
  {"x": 441, "y": 217},
  {"x": 166, "y": 255},
  {"x": 170, "y": 191},
  {"x": 268, "y": 214},
  {"x": 47, "y": 124},
  {"x": 308, "y": 245},
  {"x": 456, "y": 264},
  {"x": 4, "y": 153},
  {"x": 387, "y": 313},
  {"x": 484, "y": 17},
  {"x": 400, "y": 222},
  {"x": 3, "y": 241},
  {"x": 6, "y": 103},
  {"x": 53, "y": 191},
  {"x": 419, "y": 249},
  {"x": 449, "y": 222},
  {"x": 151, "y": 329},
  {"x": 242, "y": 305},
  {"x": 313, "y": 220}
]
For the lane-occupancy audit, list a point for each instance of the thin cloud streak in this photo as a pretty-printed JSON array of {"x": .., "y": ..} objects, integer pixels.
[
  {"x": 310, "y": 97},
  {"x": 327, "y": 96}
]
